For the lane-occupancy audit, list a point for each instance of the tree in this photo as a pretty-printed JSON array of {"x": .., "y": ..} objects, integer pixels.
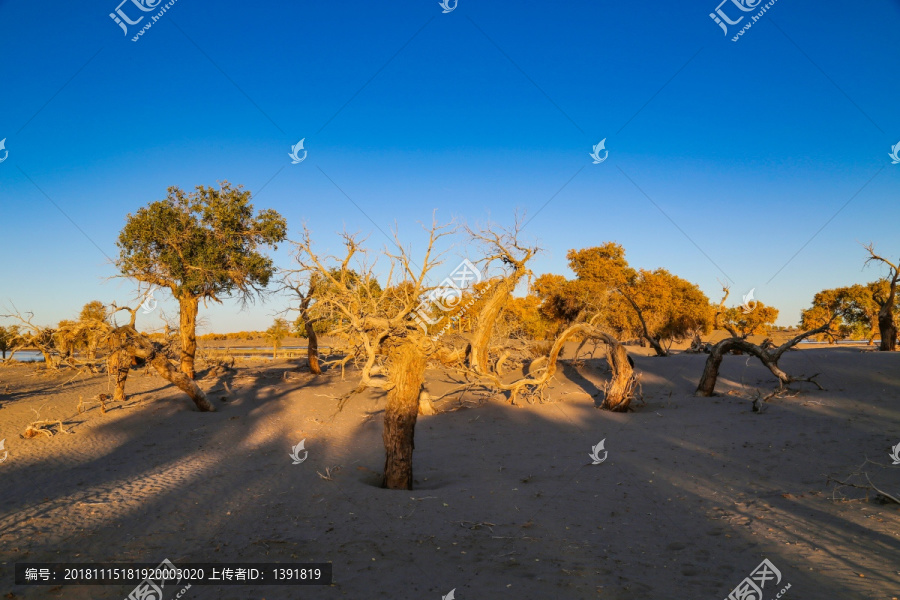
[
  {"x": 768, "y": 356},
  {"x": 10, "y": 340},
  {"x": 81, "y": 335},
  {"x": 201, "y": 246},
  {"x": 741, "y": 323},
  {"x": 885, "y": 300},
  {"x": 377, "y": 328},
  {"x": 30, "y": 334},
  {"x": 126, "y": 342},
  {"x": 279, "y": 330},
  {"x": 657, "y": 305},
  {"x": 389, "y": 331},
  {"x": 858, "y": 310}
]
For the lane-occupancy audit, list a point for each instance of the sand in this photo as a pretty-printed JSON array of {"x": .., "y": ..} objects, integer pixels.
[{"x": 693, "y": 495}]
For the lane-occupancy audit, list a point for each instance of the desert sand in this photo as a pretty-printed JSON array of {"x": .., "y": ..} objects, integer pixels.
[{"x": 694, "y": 493}]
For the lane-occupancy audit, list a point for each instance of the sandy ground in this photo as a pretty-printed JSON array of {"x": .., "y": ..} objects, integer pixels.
[{"x": 694, "y": 494}]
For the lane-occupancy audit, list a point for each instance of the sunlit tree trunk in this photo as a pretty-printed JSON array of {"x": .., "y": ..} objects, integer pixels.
[
  {"x": 126, "y": 342},
  {"x": 312, "y": 345},
  {"x": 407, "y": 374},
  {"x": 618, "y": 393},
  {"x": 188, "y": 328},
  {"x": 119, "y": 365},
  {"x": 769, "y": 358},
  {"x": 886, "y": 326}
]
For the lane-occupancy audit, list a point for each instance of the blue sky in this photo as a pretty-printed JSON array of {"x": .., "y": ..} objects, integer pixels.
[{"x": 726, "y": 159}]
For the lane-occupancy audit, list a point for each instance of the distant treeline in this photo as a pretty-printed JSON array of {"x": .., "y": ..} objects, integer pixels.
[{"x": 240, "y": 335}]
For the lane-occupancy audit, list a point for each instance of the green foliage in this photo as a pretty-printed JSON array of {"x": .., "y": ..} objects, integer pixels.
[
  {"x": 857, "y": 307},
  {"x": 201, "y": 245}
]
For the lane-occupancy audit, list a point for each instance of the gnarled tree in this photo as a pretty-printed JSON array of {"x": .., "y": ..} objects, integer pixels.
[
  {"x": 885, "y": 301},
  {"x": 202, "y": 246},
  {"x": 125, "y": 343},
  {"x": 768, "y": 356},
  {"x": 379, "y": 332}
]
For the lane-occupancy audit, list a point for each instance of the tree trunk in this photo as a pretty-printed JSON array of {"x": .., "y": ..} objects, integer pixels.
[
  {"x": 657, "y": 347},
  {"x": 486, "y": 318},
  {"x": 49, "y": 363},
  {"x": 886, "y": 327},
  {"x": 188, "y": 327},
  {"x": 707, "y": 384},
  {"x": 182, "y": 381},
  {"x": 127, "y": 342},
  {"x": 312, "y": 346},
  {"x": 769, "y": 358},
  {"x": 407, "y": 374},
  {"x": 119, "y": 366},
  {"x": 618, "y": 392},
  {"x": 654, "y": 343}
]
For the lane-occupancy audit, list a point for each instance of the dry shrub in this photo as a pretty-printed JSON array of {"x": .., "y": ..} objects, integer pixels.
[{"x": 541, "y": 348}]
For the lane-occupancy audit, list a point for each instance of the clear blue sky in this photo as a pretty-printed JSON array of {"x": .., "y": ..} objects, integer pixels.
[{"x": 749, "y": 147}]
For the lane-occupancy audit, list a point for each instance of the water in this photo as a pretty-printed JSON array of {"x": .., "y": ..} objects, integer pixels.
[{"x": 27, "y": 356}]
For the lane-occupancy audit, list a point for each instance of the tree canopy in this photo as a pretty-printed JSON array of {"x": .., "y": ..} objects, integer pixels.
[{"x": 202, "y": 244}]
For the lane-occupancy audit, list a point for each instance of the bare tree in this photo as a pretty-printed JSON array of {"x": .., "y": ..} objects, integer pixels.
[
  {"x": 377, "y": 328},
  {"x": 40, "y": 337},
  {"x": 500, "y": 246},
  {"x": 886, "y": 324},
  {"x": 306, "y": 289},
  {"x": 380, "y": 335}
]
